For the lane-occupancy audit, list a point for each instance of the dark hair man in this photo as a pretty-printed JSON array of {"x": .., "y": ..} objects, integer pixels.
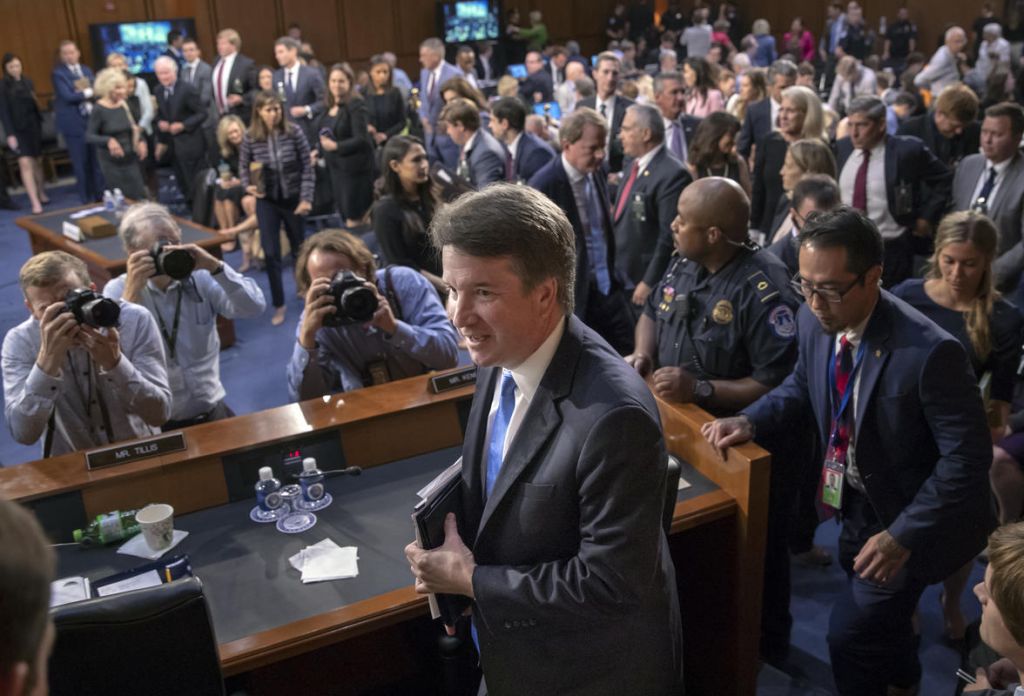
[
  {"x": 563, "y": 486},
  {"x": 814, "y": 192},
  {"x": 906, "y": 442},
  {"x": 526, "y": 152},
  {"x": 482, "y": 158}
]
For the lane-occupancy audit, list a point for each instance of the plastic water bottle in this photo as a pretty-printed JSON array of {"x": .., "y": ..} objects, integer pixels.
[
  {"x": 268, "y": 496},
  {"x": 311, "y": 480},
  {"x": 119, "y": 203},
  {"x": 108, "y": 201}
]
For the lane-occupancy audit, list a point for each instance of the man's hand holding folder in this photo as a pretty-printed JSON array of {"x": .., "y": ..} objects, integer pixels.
[{"x": 447, "y": 569}]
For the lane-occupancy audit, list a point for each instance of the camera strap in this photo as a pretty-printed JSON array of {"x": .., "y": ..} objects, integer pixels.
[
  {"x": 172, "y": 337},
  {"x": 391, "y": 296},
  {"x": 92, "y": 388}
]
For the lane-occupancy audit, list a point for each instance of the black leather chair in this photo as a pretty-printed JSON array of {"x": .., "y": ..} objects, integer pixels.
[
  {"x": 153, "y": 641},
  {"x": 671, "y": 492}
]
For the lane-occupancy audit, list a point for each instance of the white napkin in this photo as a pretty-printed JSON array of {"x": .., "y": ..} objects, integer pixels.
[
  {"x": 137, "y": 546},
  {"x": 326, "y": 561}
]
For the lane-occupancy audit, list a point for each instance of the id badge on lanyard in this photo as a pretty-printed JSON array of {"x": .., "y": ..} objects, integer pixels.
[{"x": 833, "y": 473}]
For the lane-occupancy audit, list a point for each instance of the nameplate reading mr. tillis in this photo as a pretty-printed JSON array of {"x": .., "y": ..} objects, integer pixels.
[{"x": 122, "y": 454}]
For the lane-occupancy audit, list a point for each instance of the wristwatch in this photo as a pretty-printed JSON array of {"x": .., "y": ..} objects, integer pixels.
[{"x": 702, "y": 391}]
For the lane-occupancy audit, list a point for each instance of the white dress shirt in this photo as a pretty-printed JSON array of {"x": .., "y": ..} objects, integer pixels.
[
  {"x": 225, "y": 65},
  {"x": 513, "y": 148},
  {"x": 878, "y": 199},
  {"x": 609, "y": 114},
  {"x": 527, "y": 376}
]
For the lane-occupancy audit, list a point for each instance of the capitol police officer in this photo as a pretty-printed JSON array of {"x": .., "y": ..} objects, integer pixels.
[{"x": 719, "y": 331}]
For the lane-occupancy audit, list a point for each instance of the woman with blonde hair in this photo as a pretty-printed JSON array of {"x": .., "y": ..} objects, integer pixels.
[
  {"x": 753, "y": 87},
  {"x": 810, "y": 156},
  {"x": 229, "y": 197},
  {"x": 958, "y": 293},
  {"x": 142, "y": 93},
  {"x": 116, "y": 135},
  {"x": 800, "y": 118}
]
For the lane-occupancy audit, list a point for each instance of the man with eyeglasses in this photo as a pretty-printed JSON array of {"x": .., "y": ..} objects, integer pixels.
[
  {"x": 907, "y": 448},
  {"x": 814, "y": 192},
  {"x": 719, "y": 331}
]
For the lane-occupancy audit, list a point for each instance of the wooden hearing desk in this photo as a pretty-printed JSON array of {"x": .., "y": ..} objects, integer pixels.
[{"x": 717, "y": 541}]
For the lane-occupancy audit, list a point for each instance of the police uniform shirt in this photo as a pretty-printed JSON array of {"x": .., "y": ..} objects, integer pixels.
[
  {"x": 736, "y": 323},
  {"x": 424, "y": 340}
]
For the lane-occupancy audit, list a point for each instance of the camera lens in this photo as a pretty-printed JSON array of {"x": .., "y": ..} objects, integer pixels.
[
  {"x": 101, "y": 312},
  {"x": 359, "y": 303},
  {"x": 177, "y": 263}
]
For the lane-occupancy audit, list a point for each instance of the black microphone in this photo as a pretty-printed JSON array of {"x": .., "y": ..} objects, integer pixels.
[{"x": 347, "y": 471}]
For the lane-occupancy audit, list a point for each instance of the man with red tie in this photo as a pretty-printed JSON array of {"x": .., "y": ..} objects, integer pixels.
[
  {"x": 646, "y": 203},
  {"x": 896, "y": 181},
  {"x": 234, "y": 77},
  {"x": 906, "y": 447}
]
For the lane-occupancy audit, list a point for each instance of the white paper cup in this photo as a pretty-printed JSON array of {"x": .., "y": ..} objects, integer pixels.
[{"x": 157, "y": 524}]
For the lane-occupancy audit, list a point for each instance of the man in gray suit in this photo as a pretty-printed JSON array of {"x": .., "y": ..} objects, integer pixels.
[
  {"x": 301, "y": 87},
  {"x": 992, "y": 181},
  {"x": 646, "y": 204},
  {"x": 482, "y": 157},
  {"x": 199, "y": 74}
]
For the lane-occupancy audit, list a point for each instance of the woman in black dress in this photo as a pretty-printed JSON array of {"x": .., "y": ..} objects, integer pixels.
[
  {"x": 713, "y": 150},
  {"x": 23, "y": 126},
  {"x": 113, "y": 130},
  {"x": 403, "y": 214},
  {"x": 346, "y": 146},
  {"x": 384, "y": 102}
]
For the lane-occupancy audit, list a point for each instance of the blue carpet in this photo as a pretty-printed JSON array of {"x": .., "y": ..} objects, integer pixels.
[{"x": 253, "y": 372}]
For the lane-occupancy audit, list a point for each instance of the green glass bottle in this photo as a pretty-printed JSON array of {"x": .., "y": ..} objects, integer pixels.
[{"x": 108, "y": 528}]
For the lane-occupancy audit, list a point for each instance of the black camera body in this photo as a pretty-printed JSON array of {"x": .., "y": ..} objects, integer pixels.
[
  {"x": 354, "y": 302},
  {"x": 176, "y": 263},
  {"x": 91, "y": 308}
]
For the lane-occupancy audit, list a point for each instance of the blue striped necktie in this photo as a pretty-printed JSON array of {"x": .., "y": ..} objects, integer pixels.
[{"x": 506, "y": 404}]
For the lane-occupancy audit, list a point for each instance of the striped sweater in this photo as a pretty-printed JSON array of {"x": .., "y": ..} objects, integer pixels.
[{"x": 292, "y": 167}]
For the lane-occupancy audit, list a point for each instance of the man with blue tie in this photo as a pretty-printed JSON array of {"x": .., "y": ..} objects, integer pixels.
[
  {"x": 670, "y": 98},
  {"x": 577, "y": 183},
  {"x": 301, "y": 86},
  {"x": 72, "y": 85},
  {"x": 558, "y": 544},
  {"x": 436, "y": 71},
  {"x": 907, "y": 447}
]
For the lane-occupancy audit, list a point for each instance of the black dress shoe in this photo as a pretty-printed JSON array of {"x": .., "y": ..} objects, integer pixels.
[{"x": 8, "y": 204}]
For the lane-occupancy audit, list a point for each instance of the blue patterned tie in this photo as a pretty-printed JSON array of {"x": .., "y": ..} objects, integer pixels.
[
  {"x": 597, "y": 249},
  {"x": 981, "y": 203},
  {"x": 499, "y": 428}
]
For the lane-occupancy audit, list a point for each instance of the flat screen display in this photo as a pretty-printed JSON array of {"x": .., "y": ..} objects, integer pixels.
[
  {"x": 464, "y": 21},
  {"x": 140, "y": 43}
]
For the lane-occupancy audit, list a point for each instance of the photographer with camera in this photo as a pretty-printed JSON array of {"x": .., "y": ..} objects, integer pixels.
[
  {"x": 83, "y": 369},
  {"x": 354, "y": 333},
  {"x": 184, "y": 288}
]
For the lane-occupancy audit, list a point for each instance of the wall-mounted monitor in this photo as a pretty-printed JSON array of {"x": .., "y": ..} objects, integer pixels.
[
  {"x": 464, "y": 21},
  {"x": 140, "y": 43}
]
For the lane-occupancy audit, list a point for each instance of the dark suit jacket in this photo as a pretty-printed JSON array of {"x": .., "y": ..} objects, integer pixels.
[
  {"x": 184, "y": 106},
  {"x": 756, "y": 125},
  {"x": 909, "y": 163},
  {"x": 486, "y": 160},
  {"x": 644, "y": 246},
  {"x": 355, "y": 148},
  {"x": 922, "y": 442},
  {"x": 308, "y": 91},
  {"x": 68, "y": 101},
  {"x": 614, "y": 155},
  {"x": 575, "y": 590},
  {"x": 767, "y": 181},
  {"x": 553, "y": 181},
  {"x": 18, "y": 108},
  {"x": 949, "y": 151},
  {"x": 241, "y": 81},
  {"x": 532, "y": 154},
  {"x": 203, "y": 82},
  {"x": 537, "y": 82},
  {"x": 787, "y": 250}
]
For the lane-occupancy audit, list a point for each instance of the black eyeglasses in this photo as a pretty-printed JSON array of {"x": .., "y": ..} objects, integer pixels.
[{"x": 831, "y": 295}]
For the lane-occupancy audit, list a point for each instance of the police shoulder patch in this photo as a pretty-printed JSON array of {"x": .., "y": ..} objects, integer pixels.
[
  {"x": 782, "y": 322},
  {"x": 763, "y": 287}
]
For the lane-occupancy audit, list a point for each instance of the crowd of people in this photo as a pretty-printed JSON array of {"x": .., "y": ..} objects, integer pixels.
[{"x": 763, "y": 228}]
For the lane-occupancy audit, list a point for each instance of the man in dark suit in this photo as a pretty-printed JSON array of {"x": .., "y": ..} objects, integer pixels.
[
  {"x": 179, "y": 122},
  {"x": 537, "y": 87},
  {"x": 436, "y": 71},
  {"x": 898, "y": 410},
  {"x": 577, "y": 183},
  {"x": 992, "y": 181},
  {"x": 896, "y": 181},
  {"x": 646, "y": 204},
  {"x": 199, "y": 74},
  {"x": 481, "y": 157},
  {"x": 234, "y": 77},
  {"x": 670, "y": 98},
  {"x": 761, "y": 116},
  {"x": 572, "y": 587},
  {"x": 611, "y": 106},
  {"x": 72, "y": 86},
  {"x": 813, "y": 193},
  {"x": 302, "y": 87},
  {"x": 526, "y": 152},
  {"x": 173, "y": 51},
  {"x": 950, "y": 130}
]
